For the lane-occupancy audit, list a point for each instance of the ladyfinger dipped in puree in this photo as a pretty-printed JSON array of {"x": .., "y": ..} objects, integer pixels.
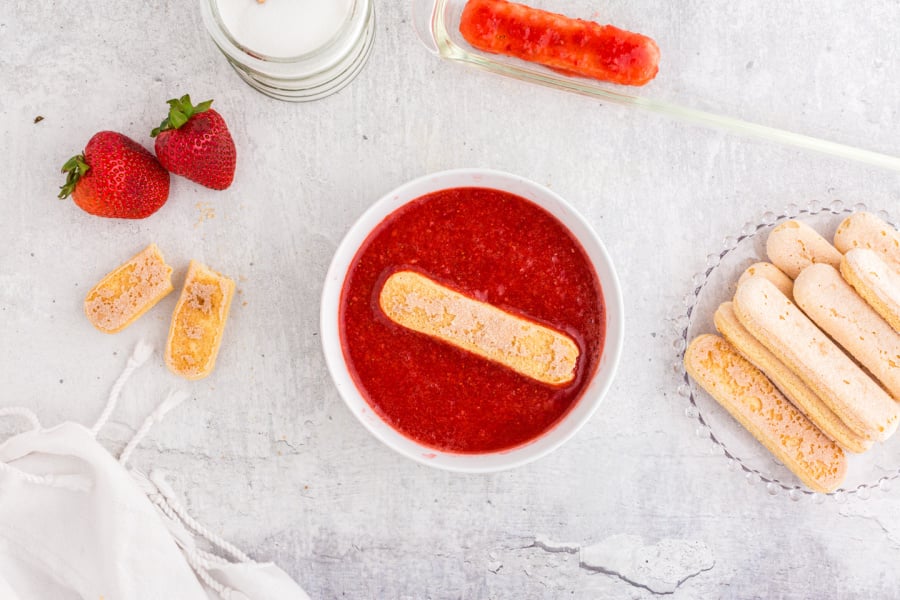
[
  {"x": 752, "y": 399},
  {"x": 416, "y": 302},
  {"x": 876, "y": 281},
  {"x": 793, "y": 246},
  {"x": 769, "y": 271},
  {"x": 198, "y": 322},
  {"x": 789, "y": 334},
  {"x": 865, "y": 230},
  {"x": 786, "y": 381},
  {"x": 839, "y": 311},
  {"x": 129, "y": 291}
]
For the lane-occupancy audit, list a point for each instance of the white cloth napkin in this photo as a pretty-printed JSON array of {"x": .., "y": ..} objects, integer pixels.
[{"x": 76, "y": 523}]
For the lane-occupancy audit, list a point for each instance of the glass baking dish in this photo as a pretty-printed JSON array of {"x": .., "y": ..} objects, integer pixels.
[{"x": 789, "y": 71}]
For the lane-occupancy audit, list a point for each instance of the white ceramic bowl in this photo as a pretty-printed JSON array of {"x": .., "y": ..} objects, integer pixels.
[{"x": 593, "y": 393}]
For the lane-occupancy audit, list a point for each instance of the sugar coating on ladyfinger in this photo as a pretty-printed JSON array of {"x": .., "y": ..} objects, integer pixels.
[
  {"x": 876, "y": 281},
  {"x": 754, "y": 402},
  {"x": 865, "y": 230},
  {"x": 789, "y": 334},
  {"x": 198, "y": 322},
  {"x": 793, "y": 246},
  {"x": 772, "y": 273},
  {"x": 786, "y": 381},
  {"x": 840, "y": 312},
  {"x": 418, "y": 303},
  {"x": 129, "y": 291}
]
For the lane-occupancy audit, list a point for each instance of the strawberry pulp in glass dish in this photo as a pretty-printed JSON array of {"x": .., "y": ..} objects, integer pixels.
[
  {"x": 495, "y": 247},
  {"x": 570, "y": 46}
]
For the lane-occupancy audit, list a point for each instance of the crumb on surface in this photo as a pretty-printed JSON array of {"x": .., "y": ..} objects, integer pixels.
[{"x": 206, "y": 212}]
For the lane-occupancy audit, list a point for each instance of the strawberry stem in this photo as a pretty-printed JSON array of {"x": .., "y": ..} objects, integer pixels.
[
  {"x": 180, "y": 112},
  {"x": 74, "y": 168}
]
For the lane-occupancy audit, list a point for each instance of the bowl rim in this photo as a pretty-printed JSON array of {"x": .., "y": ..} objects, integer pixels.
[{"x": 596, "y": 389}]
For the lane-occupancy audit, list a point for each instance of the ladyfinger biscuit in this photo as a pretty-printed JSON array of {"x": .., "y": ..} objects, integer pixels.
[
  {"x": 752, "y": 399},
  {"x": 876, "y": 281},
  {"x": 865, "y": 230},
  {"x": 129, "y": 291},
  {"x": 769, "y": 271},
  {"x": 198, "y": 322},
  {"x": 793, "y": 245},
  {"x": 803, "y": 348},
  {"x": 840, "y": 312},
  {"x": 786, "y": 381},
  {"x": 416, "y": 302}
]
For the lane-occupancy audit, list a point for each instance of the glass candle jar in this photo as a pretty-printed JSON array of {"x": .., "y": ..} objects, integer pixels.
[{"x": 294, "y": 50}]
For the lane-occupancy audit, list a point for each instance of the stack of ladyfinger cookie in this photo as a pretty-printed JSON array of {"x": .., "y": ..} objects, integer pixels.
[{"x": 810, "y": 360}]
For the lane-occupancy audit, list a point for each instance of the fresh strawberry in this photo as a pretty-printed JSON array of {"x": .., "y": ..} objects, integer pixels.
[
  {"x": 194, "y": 142},
  {"x": 116, "y": 177}
]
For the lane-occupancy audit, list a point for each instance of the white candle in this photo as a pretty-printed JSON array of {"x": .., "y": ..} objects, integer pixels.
[{"x": 283, "y": 28}]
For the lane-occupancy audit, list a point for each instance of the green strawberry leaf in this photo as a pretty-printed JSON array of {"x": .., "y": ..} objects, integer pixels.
[
  {"x": 74, "y": 168},
  {"x": 177, "y": 118},
  {"x": 180, "y": 112}
]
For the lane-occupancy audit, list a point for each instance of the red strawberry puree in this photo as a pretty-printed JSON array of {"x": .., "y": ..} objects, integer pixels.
[
  {"x": 492, "y": 246},
  {"x": 568, "y": 45}
]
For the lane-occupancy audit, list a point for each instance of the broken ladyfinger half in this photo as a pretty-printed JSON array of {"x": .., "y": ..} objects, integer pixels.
[
  {"x": 198, "y": 322},
  {"x": 129, "y": 291}
]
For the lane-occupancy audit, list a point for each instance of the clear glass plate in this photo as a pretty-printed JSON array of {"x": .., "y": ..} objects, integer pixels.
[
  {"x": 789, "y": 71},
  {"x": 876, "y": 469}
]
